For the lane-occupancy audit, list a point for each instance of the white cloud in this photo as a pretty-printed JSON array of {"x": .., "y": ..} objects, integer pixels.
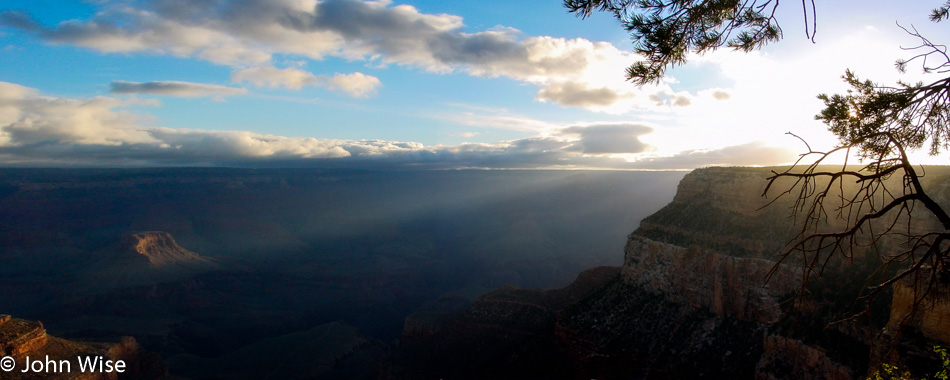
[
  {"x": 269, "y": 76},
  {"x": 37, "y": 129},
  {"x": 174, "y": 88},
  {"x": 357, "y": 85},
  {"x": 29, "y": 119},
  {"x": 248, "y": 34},
  {"x": 501, "y": 120},
  {"x": 581, "y": 95}
]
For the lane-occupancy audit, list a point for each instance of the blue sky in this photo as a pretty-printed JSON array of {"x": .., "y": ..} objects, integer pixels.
[{"x": 486, "y": 84}]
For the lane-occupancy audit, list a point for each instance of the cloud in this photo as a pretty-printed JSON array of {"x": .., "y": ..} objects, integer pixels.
[
  {"x": 501, "y": 120},
  {"x": 357, "y": 85},
  {"x": 755, "y": 153},
  {"x": 246, "y": 35},
  {"x": 174, "y": 88},
  {"x": 668, "y": 98},
  {"x": 44, "y": 130},
  {"x": 269, "y": 76},
  {"x": 576, "y": 94},
  {"x": 20, "y": 20},
  {"x": 610, "y": 138},
  {"x": 721, "y": 95}
]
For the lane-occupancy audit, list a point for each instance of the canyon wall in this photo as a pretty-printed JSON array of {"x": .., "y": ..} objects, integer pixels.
[
  {"x": 715, "y": 244},
  {"x": 699, "y": 295},
  {"x": 932, "y": 317},
  {"x": 701, "y": 278}
]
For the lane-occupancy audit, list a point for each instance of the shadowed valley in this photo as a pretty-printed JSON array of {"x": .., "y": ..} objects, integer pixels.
[{"x": 209, "y": 267}]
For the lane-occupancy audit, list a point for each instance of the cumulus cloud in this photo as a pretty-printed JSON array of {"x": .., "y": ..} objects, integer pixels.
[
  {"x": 357, "y": 85},
  {"x": 246, "y": 35},
  {"x": 174, "y": 88},
  {"x": 32, "y": 120},
  {"x": 44, "y": 130},
  {"x": 581, "y": 95}
]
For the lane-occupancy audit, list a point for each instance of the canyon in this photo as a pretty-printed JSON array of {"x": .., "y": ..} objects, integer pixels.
[
  {"x": 391, "y": 275},
  {"x": 210, "y": 266},
  {"x": 690, "y": 300}
]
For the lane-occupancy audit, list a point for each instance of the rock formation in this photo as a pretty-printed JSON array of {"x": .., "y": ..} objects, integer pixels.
[
  {"x": 782, "y": 356},
  {"x": 158, "y": 249},
  {"x": 691, "y": 301},
  {"x": 932, "y": 318},
  {"x": 21, "y": 338},
  {"x": 700, "y": 278},
  {"x": 505, "y": 334},
  {"x": 143, "y": 258},
  {"x": 18, "y": 336}
]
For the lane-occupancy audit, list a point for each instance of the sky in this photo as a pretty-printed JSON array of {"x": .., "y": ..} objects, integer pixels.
[{"x": 415, "y": 84}]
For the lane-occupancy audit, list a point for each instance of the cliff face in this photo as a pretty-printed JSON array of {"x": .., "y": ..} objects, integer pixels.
[
  {"x": 931, "y": 319},
  {"x": 713, "y": 245},
  {"x": 20, "y": 339},
  {"x": 782, "y": 355},
  {"x": 691, "y": 301},
  {"x": 506, "y": 334},
  {"x": 701, "y": 278},
  {"x": 722, "y": 209},
  {"x": 18, "y": 336}
]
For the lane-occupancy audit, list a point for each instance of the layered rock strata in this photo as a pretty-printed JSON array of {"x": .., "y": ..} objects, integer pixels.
[
  {"x": 932, "y": 315},
  {"x": 700, "y": 278},
  {"x": 21, "y": 339},
  {"x": 691, "y": 301}
]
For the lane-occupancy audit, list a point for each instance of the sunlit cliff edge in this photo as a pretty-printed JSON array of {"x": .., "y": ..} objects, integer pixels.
[
  {"x": 20, "y": 339},
  {"x": 690, "y": 301}
]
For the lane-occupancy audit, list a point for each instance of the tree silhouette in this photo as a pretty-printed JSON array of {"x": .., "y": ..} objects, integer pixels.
[
  {"x": 665, "y": 31},
  {"x": 841, "y": 210},
  {"x": 880, "y": 124}
]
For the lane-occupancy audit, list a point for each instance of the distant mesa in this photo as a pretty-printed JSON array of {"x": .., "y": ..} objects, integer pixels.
[
  {"x": 158, "y": 249},
  {"x": 142, "y": 258}
]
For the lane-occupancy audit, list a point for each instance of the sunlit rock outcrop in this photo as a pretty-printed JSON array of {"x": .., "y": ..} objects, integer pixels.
[
  {"x": 701, "y": 278},
  {"x": 21, "y": 339},
  {"x": 932, "y": 316},
  {"x": 159, "y": 249},
  {"x": 691, "y": 301}
]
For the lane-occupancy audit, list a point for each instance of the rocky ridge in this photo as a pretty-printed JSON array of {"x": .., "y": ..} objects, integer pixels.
[
  {"x": 691, "y": 301},
  {"x": 21, "y": 338},
  {"x": 700, "y": 278}
]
